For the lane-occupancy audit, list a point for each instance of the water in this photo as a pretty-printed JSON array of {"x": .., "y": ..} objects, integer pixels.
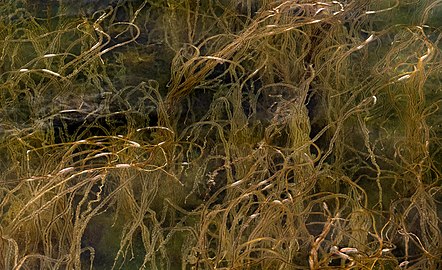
[{"x": 220, "y": 134}]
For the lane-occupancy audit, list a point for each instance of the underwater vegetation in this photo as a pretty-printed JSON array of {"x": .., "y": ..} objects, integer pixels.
[{"x": 220, "y": 134}]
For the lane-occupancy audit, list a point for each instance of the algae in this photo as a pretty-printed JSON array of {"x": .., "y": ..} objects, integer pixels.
[{"x": 252, "y": 134}]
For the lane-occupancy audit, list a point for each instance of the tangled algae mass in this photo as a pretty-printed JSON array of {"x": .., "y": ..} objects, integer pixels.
[{"x": 220, "y": 134}]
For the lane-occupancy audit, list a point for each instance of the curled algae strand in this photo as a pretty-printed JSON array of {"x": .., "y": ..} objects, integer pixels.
[
  {"x": 349, "y": 250},
  {"x": 103, "y": 154},
  {"x": 404, "y": 77},
  {"x": 135, "y": 144},
  {"x": 123, "y": 165},
  {"x": 368, "y": 40},
  {"x": 66, "y": 170},
  {"x": 50, "y": 72}
]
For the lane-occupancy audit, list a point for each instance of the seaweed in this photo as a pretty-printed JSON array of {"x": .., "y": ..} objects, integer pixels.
[{"x": 252, "y": 134}]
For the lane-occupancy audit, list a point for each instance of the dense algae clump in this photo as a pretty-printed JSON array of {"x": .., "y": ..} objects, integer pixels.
[{"x": 250, "y": 134}]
